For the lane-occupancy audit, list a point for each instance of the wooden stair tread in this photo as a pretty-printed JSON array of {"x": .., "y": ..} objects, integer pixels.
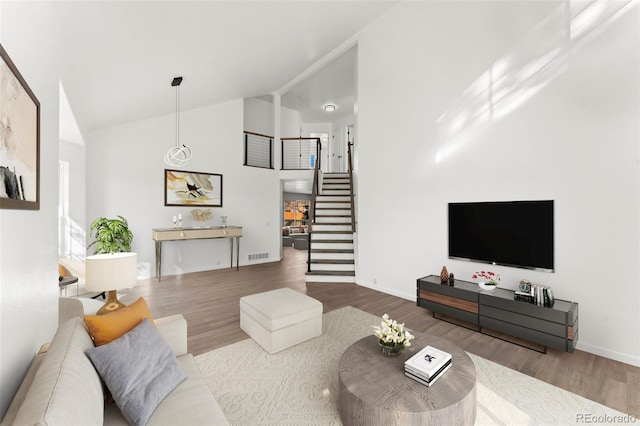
[
  {"x": 333, "y": 241},
  {"x": 333, "y": 261},
  {"x": 331, "y": 232},
  {"x": 331, "y": 250},
  {"x": 333, "y": 273}
]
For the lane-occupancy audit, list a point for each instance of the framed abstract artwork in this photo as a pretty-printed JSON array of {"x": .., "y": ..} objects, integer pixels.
[
  {"x": 184, "y": 188},
  {"x": 19, "y": 140}
]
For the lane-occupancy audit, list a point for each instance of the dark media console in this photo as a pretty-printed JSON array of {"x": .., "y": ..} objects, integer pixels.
[{"x": 555, "y": 327}]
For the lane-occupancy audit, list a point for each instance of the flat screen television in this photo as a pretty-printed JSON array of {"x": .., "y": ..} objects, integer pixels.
[{"x": 510, "y": 233}]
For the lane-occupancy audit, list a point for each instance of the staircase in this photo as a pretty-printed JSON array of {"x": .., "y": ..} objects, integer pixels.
[{"x": 331, "y": 256}]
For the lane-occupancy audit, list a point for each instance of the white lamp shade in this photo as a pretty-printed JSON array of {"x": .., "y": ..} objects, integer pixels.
[{"x": 112, "y": 271}]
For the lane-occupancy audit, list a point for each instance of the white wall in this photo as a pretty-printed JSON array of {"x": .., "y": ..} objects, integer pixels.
[
  {"x": 75, "y": 154},
  {"x": 291, "y": 123},
  {"x": 258, "y": 116},
  {"x": 342, "y": 123},
  {"x": 28, "y": 239},
  {"x": 574, "y": 140},
  {"x": 125, "y": 176}
]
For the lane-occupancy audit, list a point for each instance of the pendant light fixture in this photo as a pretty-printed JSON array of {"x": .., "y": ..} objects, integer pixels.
[{"x": 180, "y": 154}]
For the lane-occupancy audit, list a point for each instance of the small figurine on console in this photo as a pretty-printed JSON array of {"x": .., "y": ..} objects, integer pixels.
[
  {"x": 444, "y": 276},
  {"x": 452, "y": 280}
]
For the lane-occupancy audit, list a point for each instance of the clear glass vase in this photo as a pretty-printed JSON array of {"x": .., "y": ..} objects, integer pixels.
[{"x": 391, "y": 350}]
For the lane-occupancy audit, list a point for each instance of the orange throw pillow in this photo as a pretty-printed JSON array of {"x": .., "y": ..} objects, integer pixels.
[{"x": 108, "y": 327}]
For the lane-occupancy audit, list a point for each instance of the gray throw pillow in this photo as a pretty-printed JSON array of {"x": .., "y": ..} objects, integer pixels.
[{"x": 139, "y": 369}]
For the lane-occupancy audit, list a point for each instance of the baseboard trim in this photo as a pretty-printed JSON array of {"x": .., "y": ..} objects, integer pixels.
[{"x": 608, "y": 353}]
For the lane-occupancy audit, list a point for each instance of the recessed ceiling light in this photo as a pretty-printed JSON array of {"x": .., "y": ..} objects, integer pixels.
[{"x": 329, "y": 107}]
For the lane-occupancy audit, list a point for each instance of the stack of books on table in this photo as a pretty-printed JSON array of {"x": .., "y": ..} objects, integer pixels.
[
  {"x": 538, "y": 295},
  {"x": 428, "y": 365}
]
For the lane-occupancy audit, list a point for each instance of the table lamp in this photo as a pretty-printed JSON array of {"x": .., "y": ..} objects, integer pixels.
[{"x": 111, "y": 272}]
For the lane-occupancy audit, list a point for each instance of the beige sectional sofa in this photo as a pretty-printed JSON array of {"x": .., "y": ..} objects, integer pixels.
[{"x": 63, "y": 388}]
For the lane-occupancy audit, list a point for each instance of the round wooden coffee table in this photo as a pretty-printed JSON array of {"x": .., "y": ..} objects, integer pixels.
[{"x": 373, "y": 389}]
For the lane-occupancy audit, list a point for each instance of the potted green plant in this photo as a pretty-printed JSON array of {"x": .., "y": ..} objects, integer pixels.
[{"x": 111, "y": 235}]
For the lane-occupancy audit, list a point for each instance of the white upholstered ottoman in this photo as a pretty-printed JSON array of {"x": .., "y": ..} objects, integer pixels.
[{"x": 279, "y": 319}]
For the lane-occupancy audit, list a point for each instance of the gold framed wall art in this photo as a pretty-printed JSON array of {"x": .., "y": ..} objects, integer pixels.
[{"x": 19, "y": 140}]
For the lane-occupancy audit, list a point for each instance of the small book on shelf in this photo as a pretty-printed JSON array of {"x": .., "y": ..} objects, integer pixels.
[{"x": 524, "y": 297}]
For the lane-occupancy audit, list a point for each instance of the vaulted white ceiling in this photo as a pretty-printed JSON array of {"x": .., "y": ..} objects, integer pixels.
[
  {"x": 335, "y": 83},
  {"x": 121, "y": 56}
]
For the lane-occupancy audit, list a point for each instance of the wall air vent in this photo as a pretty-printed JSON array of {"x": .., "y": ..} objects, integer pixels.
[{"x": 258, "y": 256}]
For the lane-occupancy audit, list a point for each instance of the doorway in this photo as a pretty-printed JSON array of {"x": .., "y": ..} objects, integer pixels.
[{"x": 324, "y": 142}]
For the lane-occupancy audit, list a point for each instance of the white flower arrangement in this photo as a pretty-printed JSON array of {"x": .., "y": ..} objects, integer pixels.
[{"x": 391, "y": 333}]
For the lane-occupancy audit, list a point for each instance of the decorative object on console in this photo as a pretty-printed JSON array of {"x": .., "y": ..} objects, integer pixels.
[
  {"x": 177, "y": 221},
  {"x": 20, "y": 130},
  {"x": 180, "y": 154},
  {"x": 444, "y": 276},
  {"x": 184, "y": 188},
  {"x": 392, "y": 336},
  {"x": 111, "y": 272},
  {"x": 487, "y": 286},
  {"x": 452, "y": 280},
  {"x": 533, "y": 293},
  {"x": 201, "y": 215},
  {"x": 524, "y": 286},
  {"x": 224, "y": 221},
  {"x": 492, "y": 279}
]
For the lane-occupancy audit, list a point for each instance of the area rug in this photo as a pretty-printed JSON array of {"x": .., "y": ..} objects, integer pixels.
[{"x": 299, "y": 386}]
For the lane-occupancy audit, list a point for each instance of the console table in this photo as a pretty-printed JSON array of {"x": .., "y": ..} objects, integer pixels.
[
  {"x": 555, "y": 327},
  {"x": 181, "y": 234}
]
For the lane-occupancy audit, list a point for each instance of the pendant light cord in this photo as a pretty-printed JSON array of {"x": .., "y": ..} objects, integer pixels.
[
  {"x": 180, "y": 154},
  {"x": 178, "y": 116}
]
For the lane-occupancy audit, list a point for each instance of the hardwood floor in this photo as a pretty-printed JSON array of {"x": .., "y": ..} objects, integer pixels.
[{"x": 210, "y": 303}]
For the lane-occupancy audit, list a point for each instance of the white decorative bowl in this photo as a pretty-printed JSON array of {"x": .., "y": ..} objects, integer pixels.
[{"x": 488, "y": 287}]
